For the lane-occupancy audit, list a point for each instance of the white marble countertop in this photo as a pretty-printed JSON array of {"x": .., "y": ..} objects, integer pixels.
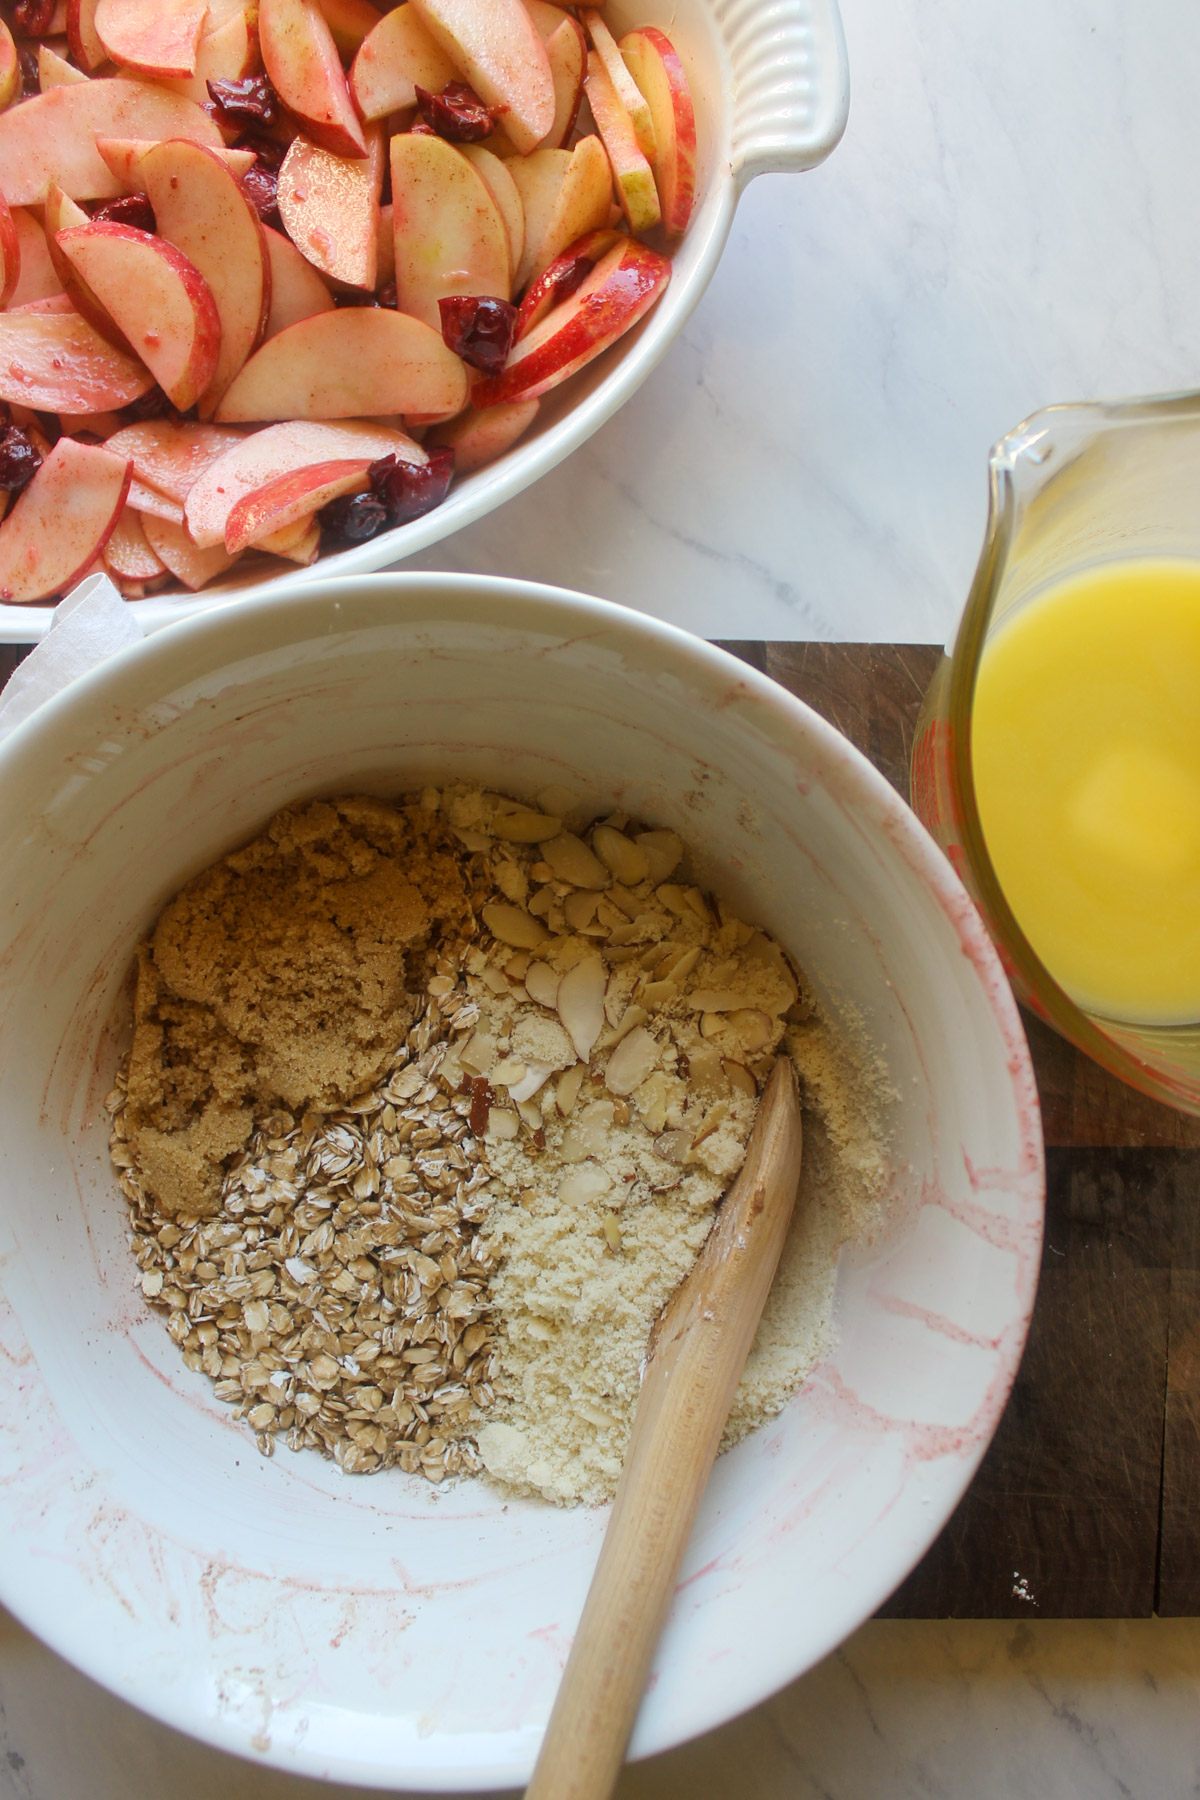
[{"x": 1011, "y": 220}]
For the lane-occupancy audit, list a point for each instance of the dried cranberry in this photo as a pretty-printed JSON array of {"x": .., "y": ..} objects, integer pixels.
[
  {"x": 128, "y": 209},
  {"x": 457, "y": 113},
  {"x": 250, "y": 101},
  {"x": 479, "y": 328},
  {"x": 570, "y": 277},
  {"x": 410, "y": 489},
  {"x": 20, "y": 460},
  {"x": 151, "y": 405},
  {"x": 260, "y": 184},
  {"x": 31, "y": 76},
  {"x": 32, "y": 17},
  {"x": 269, "y": 151},
  {"x": 355, "y": 517}
]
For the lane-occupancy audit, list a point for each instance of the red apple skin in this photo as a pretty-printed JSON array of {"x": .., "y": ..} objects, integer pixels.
[
  {"x": 290, "y": 498},
  {"x": 622, "y": 287},
  {"x": 61, "y": 522},
  {"x": 301, "y": 58},
  {"x": 264, "y": 455},
  {"x": 346, "y": 364},
  {"x": 61, "y": 214},
  {"x": 134, "y": 275},
  {"x": 87, "y": 52},
  {"x": 200, "y": 207},
  {"x": 541, "y": 295},
  {"x": 10, "y": 254},
  {"x": 655, "y": 65},
  {"x": 56, "y": 362}
]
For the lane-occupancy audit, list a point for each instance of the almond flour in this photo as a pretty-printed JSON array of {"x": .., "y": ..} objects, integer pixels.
[{"x": 427, "y": 1112}]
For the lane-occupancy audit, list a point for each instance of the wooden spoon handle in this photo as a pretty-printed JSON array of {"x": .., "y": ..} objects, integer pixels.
[{"x": 695, "y": 1360}]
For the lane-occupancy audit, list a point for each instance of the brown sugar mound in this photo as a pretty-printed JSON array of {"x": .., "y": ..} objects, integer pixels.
[{"x": 278, "y": 977}]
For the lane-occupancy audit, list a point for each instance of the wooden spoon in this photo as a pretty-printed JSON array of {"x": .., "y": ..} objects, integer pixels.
[{"x": 693, "y": 1364}]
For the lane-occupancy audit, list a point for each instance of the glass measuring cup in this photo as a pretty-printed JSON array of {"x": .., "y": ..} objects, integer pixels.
[{"x": 1070, "y": 489}]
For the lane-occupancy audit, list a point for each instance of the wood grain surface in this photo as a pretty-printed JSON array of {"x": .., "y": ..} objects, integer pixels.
[{"x": 1087, "y": 1504}]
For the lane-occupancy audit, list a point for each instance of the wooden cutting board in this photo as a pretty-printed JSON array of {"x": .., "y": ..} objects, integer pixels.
[{"x": 1087, "y": 1504}]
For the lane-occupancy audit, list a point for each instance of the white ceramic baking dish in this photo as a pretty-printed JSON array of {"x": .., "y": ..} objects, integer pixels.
[
  {"x": 771, "y": 88},
  {"x": 368, "y": 1629}
]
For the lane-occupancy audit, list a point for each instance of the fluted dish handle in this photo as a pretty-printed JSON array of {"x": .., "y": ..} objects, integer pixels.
[{"x": 791, "y": 82}]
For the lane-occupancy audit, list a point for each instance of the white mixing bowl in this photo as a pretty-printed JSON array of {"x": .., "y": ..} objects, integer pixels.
[
  {"x": 771, "y": 88},
  {"x": 370, "y": 1629}
]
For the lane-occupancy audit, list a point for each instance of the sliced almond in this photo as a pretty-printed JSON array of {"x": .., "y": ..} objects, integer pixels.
[
  {"x": 579, "y": 910},
  {"x": 633, "y": 1059},
  {"x": 580, "y": 1002},
  {"x": 530, "y": 1113},
  {"x": 508, "y": 1073},
  {"x": 673, "y": 1146},
  {"x": 629, "y": 1020},
  {"x": 478, "y": 1055},
  {"x": 752, "y": 1028},
  {"x": 566, "y": 1088},
  {"x": 739, "y": 1078},
  {"x": 541, "y": 983},
  {"x": 513, "y": 926},
  {"x": 516, "y": 966},
  {"x": 712, "y": 1000},
  {"x": 587, "y": 1133},
  {"x": 706, "y": 1074},
  {"x": 523, "y": 826},
  {"x": 663, "y": 852},
  {"x": 502, "y": 1125},
  {"x": 674, "y": 899},
  {"x": 620, "y": 855},
  {"x": 542, "y": 902},
  {"x": 572, "y": 861},
  {"x": 584, "y": 1185},
  {"x": 535, "y": 1078}
]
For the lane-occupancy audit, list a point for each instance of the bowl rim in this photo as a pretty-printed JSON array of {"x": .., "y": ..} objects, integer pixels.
[{"x": 571, "y": 615}]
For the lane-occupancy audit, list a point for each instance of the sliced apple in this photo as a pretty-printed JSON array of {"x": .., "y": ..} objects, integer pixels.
[
  {"x": 566, "y": 52},
  {"x": 10, "y": 253},
  {"x": 477, "y": 438},
  {"x": 302, "y": 61},
  {"x": 622, "y": 287},
  {"x": 124, "y": 157},
  {"x": 297, "y": 291},
  {"x": 38, "y": 280},
  {"x": 546, "y": 17},
  {"x": 385, "y": 247},
  {"x": 291, "y": 497},
  {"x": 655, "y": 66},
  {"x": 539, "y": 181},
  {"x": 330, "y": 207},
  {"x": 61, "y": 522},
  {"x": 57, "y": 362},
  {"x": 60, "y": 213},
  {"x": 84, "y": 40},
  {"x": 151, "y": 504},
  {"x": 566, "y": 273},
  {"x": 394, "y": 61},
  {"x": 496, "y": 46},
  {"x": 157, "y": 298},
  {"x": 298, "y": 543},
  {"x": 280, "y": 449},
  {"x": 98, "y": 425},
  {"x": 199, "y": 206},
  {"x": 228, "y": 53},
  {"x": 54, "y": 71},
  {"x": 350, "y": 23},
  {"x": 52, "y": 137},
  {"x": 170, "y": 457},
  {"x": 11, "y": 78},
  {"x": 631, "y": 171},
  {"x": 127, "y": 553},
  {"x": 450, "y": 237},
  {"x": 187, "y": 562},
  {"x": 624, "y": 86},
  {"x": 497, "y": 179},
  {"x": 580, "y": 206},
  {"x": 158, "y": 37},
  {"x": 340, "y": 365},
  {"x": 53, "y": 303}
]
